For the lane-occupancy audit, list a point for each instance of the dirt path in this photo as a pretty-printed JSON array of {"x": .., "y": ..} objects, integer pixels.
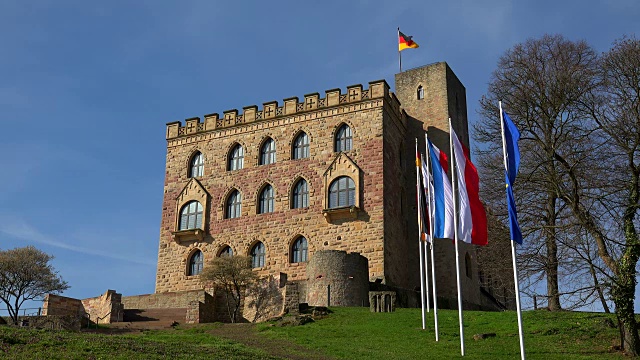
[{"x": 248, "y": 335}]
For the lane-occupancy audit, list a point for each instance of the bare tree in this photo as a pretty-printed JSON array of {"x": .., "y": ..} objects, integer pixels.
[
  {"x": 25, "y": 274},
  {"x": 541, "y": 83},
  {"x": 615, "y": 109},
  {"x": 232, "y": 275}
]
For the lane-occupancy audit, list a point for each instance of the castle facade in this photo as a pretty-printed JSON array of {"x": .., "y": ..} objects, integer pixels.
[{"x": 335, "y": 171}]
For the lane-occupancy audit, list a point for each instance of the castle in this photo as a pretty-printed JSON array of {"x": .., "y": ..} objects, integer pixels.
[
  {"x": 319, "y": 192},
  {"x": 334, "y": 172}
]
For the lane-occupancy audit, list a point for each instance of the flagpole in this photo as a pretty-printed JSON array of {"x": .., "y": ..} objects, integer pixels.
[
  {"x": 431, "y": 223},
  {"x": 455, "y": 236},
  {"x": 420, "y": 233},
  {"x": 513, "y": 246},
  {"x": 425, "y": 242},
  {"x": 399, "y": 52},
  {"x": 426, "y": 271}
]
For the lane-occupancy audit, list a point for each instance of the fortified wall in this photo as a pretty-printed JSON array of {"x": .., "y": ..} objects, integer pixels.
[{"x": 291, "y": 106}]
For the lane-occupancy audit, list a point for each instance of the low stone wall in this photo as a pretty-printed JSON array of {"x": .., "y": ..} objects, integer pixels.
[
  {"x": 104, "y": 309},
  {"x": 53, "y": 322},
  {"x": 168, "y": 300},
  {"x": 265, "y": 299},
  {"x": 61, "y": 305},
  {"x": 292, "y": 298},
  {"x": 201, "y": 312},
  {"x": 55, "y": 305}
]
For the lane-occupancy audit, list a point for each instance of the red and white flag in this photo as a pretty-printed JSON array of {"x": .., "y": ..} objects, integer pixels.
[{"x": 473, "y": 218}]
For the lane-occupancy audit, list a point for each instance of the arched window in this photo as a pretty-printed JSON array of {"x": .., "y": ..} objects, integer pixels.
[
  {"x": 226, "y": 251},
  {"x": 195, "y": 263},
  {"x": 467, "y": 265},
  {"x": 268, "y": 152},
  {"x": 301, "y": 146},
  {"x": 420, "y": 92},
  {"x": 190, "y": 216},
  {"x": 342, "y": 192},
  {"x": 344, "y": 139},
  {"x": 266, "y": 200},
  {"x": 299, "y": 250},
  {"x": 257, "y": 255},
  {"x": 196, "y": 168},
  {"x": 300, "y": 198},
  {"x": 234, "y": 205},
  {"x": 236, "y": 158}
]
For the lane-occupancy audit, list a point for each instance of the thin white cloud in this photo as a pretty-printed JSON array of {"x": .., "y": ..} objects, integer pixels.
[{"x": 19, "y": 229}]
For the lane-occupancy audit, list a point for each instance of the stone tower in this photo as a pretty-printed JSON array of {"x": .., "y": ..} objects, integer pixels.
[{"x": 430, "y": 95}]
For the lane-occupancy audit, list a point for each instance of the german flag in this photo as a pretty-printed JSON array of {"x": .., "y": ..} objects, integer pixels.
[{"x": 405, "y": 42}]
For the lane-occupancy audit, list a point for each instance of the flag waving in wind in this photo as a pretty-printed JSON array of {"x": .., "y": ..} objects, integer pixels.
[
  {"x": 473, "y": 218},
  {"x": 405, "y": 42},
  {"x": 510, "y": 139},
  {"x": 443, "y": 212}
]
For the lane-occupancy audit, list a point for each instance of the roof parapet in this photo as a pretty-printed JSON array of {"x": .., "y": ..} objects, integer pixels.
[{"x": 292, "y": 105}]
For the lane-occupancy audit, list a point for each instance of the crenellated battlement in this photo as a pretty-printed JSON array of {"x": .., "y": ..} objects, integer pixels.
[{"x": 271, "y": 110}]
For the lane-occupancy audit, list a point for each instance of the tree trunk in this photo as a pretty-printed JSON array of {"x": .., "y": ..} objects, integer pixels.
[
  {"x": 598, "y": 288},
  {"x": 623, "y": 300},
  {"x": 624, "y": 289},
  {"x": 553, "y": 290}
]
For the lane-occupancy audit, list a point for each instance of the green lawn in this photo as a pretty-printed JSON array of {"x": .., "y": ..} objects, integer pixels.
[
  {"x": 348, "y": 333},
  {"x": 355, "y": 333},
  {"x": 161, "y": 344}
]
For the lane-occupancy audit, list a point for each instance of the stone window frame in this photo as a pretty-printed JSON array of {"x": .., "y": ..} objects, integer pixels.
[
  {"x": 292, "y": 194},
  {"x": 230, "y": 161},
  {"x": 259, "y": 199},
  {"x": 336, "y": 142},
  {"x": 252, "y": 247},
  {"x": 199, "y": 213},
  {"x": 295, "y": 148},
  {"x": 191, "y": 165},
  {"x": 273, "y": 155},
  {"x": 420, "y": 92},
  {"x": 342, "y": 165},
  {"x": 468, "y": 266},
  {"x": 192, "y": 191},
  {"x": 190, "y": 262},
  {"x": 222, "y": 250},
  {"x": 292, "y": 244},
  {"x": 225, "y": 204}
]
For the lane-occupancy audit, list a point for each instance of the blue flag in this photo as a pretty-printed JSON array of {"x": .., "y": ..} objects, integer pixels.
[{"x": 511, "y": 137}]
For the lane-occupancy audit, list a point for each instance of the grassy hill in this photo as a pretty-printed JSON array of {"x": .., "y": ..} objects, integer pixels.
[{"x": 348, "y": 333}]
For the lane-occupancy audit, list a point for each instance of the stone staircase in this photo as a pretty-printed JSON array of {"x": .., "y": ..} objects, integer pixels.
[{"x": 150, "y": 319}]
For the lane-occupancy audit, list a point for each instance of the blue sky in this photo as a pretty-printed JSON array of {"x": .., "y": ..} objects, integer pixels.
[{"x": 87, "y": 87}]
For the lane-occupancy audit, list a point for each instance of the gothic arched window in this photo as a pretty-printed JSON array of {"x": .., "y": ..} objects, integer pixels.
[
  {"x": 195, "y": 263},
  {"x": 342, "y": 192},
  {"x": 226, "y": 251},
  {"x": 257, "y": 255},
  {"x": 299, "y": 250},
  {"x": 266, "y": 200},
  {"x": 234, "y": 205},
  {"x": 190, "y": 216},
  {"x": 301, "y": 146},
  {"x": 420, "y": 92},
  {"x": 268, "y": 152},
  {"x": 344, "y": 139},
  {"x": 236, "y": 158},
  {"x": 196, "y": 167},
  {"x": 300, "y": 198}
]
